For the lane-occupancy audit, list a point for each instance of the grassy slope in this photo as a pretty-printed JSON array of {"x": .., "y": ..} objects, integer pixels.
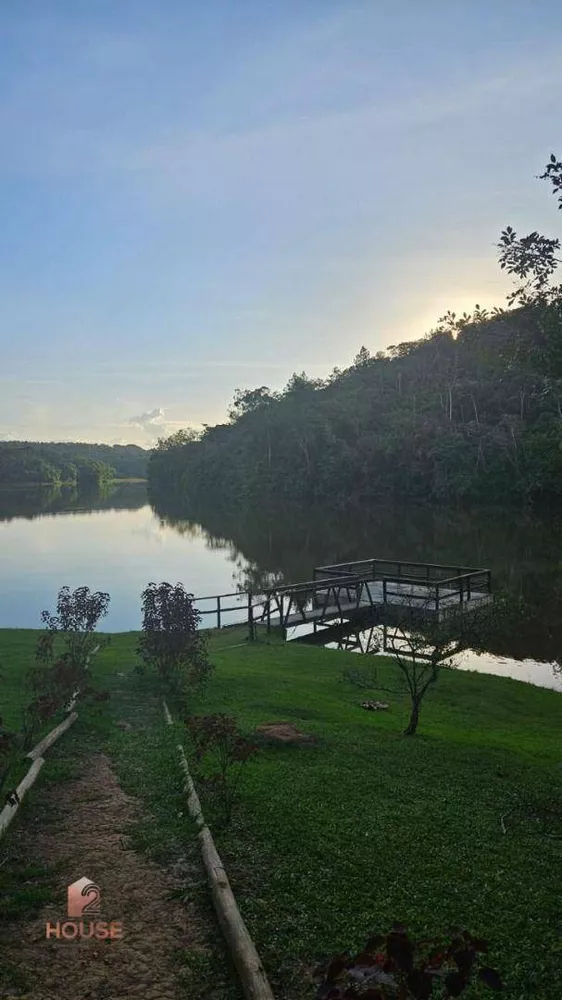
[
  {"x": 333, "y": 840},
  {"x": 368, "y": 826}
]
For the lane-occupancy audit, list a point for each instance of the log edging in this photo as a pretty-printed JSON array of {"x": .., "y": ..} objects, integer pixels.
[
  {"x": 246, "y": 959},
  {"x": 52, "y": 737},
  {"x": 36, "y": 756},
  {"x": 11, "y": 808}
]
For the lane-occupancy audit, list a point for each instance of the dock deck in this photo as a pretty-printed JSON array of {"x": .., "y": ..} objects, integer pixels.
[
  {"x": 353, "y": 591},
  {"x": 414, "y": 597}
]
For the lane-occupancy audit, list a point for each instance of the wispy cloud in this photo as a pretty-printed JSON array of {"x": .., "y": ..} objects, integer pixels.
[
  {"x": 154, "y": 424},
  {"x": 196, "y": 157},
  {"x": 149, "y": 373},
  {"x": 152, "y": 421}
]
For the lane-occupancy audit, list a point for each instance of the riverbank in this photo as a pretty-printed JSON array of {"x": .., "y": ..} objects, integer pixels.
[
  {"x": 71, "y": 484},
  {"x": 338, "y": 836}
]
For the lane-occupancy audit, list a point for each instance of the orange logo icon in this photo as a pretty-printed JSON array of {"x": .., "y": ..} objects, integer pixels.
[{"x": 84, "y": 897}]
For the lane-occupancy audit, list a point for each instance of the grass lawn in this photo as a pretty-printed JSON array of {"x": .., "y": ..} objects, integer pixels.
[{"x": 333, "y": 840}]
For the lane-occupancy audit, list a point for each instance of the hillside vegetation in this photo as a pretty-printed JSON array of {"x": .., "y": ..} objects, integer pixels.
[
  {"x": 37, "y": 463},
  {"x": 472, "y": 411}
]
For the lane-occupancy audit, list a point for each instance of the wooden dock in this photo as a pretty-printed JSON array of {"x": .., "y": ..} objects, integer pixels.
[{"x": 357, "y": 591}]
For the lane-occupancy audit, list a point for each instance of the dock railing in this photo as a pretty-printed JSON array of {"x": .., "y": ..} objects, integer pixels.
[
  {"x": 376, "y": 569},
  {"x": 430, "y": 582},
  {"x": 297, "y": 598},
  {"x": 245, "y": 610},
  {"x": 439, "y": 581},
  {"x": 256, "y": 609},
  {"x": 475, "y": 583}
]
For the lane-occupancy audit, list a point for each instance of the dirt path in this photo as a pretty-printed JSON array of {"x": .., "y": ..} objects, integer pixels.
[{"x": 88, "y": 838}]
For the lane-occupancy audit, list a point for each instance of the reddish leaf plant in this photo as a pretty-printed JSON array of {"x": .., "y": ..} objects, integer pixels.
[
  {"x": 217, "y": 739},
  {"x": 394, "y": 966}
]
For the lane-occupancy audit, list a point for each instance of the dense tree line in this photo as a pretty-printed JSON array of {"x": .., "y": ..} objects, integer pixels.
[
  {"x": 83, "y": 465},
  {"x": 472, "y": 411}
]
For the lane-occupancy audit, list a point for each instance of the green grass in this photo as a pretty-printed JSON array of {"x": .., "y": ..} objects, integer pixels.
[
  {"x": 335, "y": 839},
  {"x": 17, "y": 649},
  {"x": 146, "y": 762}
]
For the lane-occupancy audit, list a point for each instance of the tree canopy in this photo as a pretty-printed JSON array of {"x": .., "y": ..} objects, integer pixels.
[
  {"x": 28, "y": 463},
  {"x": 471, "y": 411}
]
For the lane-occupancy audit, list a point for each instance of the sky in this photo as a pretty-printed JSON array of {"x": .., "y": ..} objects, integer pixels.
[{"x": 199, "y": 197}]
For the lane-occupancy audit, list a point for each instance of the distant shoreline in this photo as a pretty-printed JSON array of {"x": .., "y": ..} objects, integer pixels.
[{"x": 39, "y": 486}]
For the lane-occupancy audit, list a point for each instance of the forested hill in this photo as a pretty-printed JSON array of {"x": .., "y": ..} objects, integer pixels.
[
  {"x": 472, "y": 411},
  {"x": 30, "y": 462}
]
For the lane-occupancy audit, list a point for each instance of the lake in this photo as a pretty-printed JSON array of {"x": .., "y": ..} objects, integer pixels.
[{"x": 120, "y": 541}]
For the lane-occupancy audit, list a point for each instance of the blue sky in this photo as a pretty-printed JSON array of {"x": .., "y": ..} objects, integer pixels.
[{"x": 199, "y": 197}]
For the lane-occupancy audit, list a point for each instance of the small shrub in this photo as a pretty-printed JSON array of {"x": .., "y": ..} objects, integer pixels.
[
  {"x": 394, "y": 966},
  {"x": 217, "y": 739},
  {"x": 53, "y": 685},
  {"x": 170, "y": 639},
  {"x": 78, "y": 613},
  {"x": 56, "y": 676}
]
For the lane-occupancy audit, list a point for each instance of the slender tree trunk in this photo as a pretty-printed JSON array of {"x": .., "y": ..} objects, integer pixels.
[
  {"x": 268, "y": 444},
  {"x": 414, "y": 718}
]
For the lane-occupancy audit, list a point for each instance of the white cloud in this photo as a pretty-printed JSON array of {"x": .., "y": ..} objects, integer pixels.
[
  {"x": 152, "y": 422},
  {"x": 150, "y": 418}
]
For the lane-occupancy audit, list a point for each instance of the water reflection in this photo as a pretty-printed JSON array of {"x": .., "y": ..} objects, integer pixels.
[
  {"x": 30, "y": 503},
  {"x": 284, "y": 544},
  {"x": 374, "y": 641},
  {"x": 117, "y": 541}
]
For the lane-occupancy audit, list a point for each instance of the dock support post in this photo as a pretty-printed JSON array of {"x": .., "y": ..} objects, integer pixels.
[{"x": 250, "y": 617}]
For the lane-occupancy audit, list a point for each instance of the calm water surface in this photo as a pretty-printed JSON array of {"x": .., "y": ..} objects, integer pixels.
[{"x": 120, "y": 542}]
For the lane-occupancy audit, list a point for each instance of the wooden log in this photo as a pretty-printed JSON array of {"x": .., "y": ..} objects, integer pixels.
[
  {"x": 9, "y": 811},
  {"x": 52, "y": 737},
  {"x": 246, "y": 959},
  {"x": 73, "y": 700}
]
